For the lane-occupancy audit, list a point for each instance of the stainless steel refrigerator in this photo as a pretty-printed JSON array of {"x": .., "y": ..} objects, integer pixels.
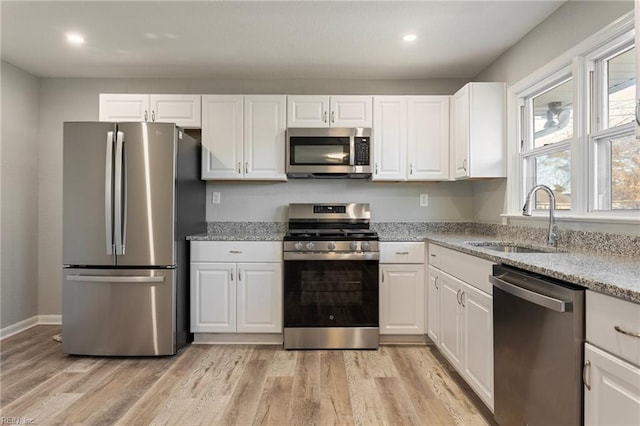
[{"x": 131, "y": 194}]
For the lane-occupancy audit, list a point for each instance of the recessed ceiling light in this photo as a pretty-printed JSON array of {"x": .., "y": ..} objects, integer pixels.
[
  {"x": 410, "y": 37},
  {"x": 75, "y": 39}
]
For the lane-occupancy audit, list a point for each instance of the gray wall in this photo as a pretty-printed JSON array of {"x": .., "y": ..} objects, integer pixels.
[
  {"x": 66, "y": 99},
  {"x": 19, "y": 195},
  {"x": 572, "y": 23}
]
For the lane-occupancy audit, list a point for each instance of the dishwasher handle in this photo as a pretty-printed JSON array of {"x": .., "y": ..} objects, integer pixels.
[{"x": 531, "y": 296}]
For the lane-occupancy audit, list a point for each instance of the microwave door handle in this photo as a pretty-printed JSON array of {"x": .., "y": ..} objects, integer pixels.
[{"x": 352, "y": 159}]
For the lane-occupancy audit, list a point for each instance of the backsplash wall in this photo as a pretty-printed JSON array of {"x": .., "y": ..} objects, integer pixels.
[{"x": 390, "y": 201}]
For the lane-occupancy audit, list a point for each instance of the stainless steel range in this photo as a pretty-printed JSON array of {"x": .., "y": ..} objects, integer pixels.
[{"x": 331, "y": 292}]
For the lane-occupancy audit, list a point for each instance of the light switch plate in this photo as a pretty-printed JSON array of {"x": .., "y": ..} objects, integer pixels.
[
  {"x": 215, "y": 198},
  {"x": 424, "y": 200}
]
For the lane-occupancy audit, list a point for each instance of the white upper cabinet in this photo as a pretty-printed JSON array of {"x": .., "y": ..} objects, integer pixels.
[
  {"x": 184, "y": 110},
  {"x": 478, "y": 127},
  {"x": 389, "y": 138},
  {"x": 428, "y": 138},
  {"x": 329, "y": 111},
  {"x": 411, "y": 138},
  {"x": 243, "y": 137}
]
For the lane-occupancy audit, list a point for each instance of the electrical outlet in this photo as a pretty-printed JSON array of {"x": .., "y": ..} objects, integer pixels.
[
  {"x": 215, "y": 198},
  {"x": 424, "y": 200}
]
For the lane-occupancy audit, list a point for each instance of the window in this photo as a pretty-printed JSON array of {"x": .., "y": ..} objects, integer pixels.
[
  {"x": 615, "y": 160},
  {"x": 575, "y": 125},
  {"x": 546, "y": 137}
]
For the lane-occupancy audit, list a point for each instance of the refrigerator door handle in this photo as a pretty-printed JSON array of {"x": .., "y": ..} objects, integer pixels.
[
  {"x": 108, "y": 194},
  {"x": 118, "y": 193},
  {"x": 125, "y": 196},
  {"x": 111, "y": 279}
]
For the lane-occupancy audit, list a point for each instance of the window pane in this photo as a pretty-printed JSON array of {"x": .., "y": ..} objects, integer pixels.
[
  {"x": 553, "y": 115},
  {"x": 621, "y": 88},
  {"x": 554, "y": 170},
  {"x": 625, "y": 173}
]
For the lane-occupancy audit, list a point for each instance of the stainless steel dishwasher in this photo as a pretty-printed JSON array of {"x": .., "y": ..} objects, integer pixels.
[{"x": 538, "y": 340}]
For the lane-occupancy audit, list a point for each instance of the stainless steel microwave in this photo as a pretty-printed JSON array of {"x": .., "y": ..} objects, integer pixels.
[{"x": 329, "y": 153}]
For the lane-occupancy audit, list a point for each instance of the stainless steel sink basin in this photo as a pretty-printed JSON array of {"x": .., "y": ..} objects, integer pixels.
[{"x": 507, "y": 247}]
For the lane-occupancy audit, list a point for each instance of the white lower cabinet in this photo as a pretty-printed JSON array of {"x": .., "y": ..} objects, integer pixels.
[
  {"x": 461, "y": 316},
  {"x": 236, "y": 297},
  {"x": 612, "y": 389},
  {"x": 402, "y": 298}
]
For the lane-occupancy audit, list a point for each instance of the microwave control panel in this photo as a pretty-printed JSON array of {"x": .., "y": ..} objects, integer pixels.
[{"x": 362, "y": 151}]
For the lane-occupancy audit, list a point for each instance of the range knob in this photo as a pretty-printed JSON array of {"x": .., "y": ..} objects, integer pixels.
[
  {"x": 309, "y": 245},
  {"x": 353, "y": 246},
  {"x": 365, "y": 246},
  {"x": 331, "y": 246},
  {"x": 299, "y": 246}
]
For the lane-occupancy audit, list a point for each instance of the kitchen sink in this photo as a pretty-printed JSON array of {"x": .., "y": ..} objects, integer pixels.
[{"x": 508, "y": 247}]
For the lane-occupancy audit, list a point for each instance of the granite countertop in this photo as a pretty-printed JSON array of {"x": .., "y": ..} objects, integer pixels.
[
  {"x": 242, "y": 231},
  {"x": 238, "y": 236},
  {"x": 613, "y": 275}
]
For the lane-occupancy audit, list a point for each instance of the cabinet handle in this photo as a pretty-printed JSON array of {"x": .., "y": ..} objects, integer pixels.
[
  {"x": 410, "y": 168},
  {"x": 462, "y": 295},
  {"x": 333, "y": 116},
  {"x": 382, "y": 276},
  {"x": 587, "y": 364},
  {"x": 435, "y": 282},
  {"x": 324, "y": 117},
  {"x": 231, "y": 274},
  {"x": 235, "y": 251},
  {"x": 239, "y": 275},
  {"x": 637, "y": 112},
  {"x": 432, "y": 255},
  {"x": 239, "y": 168},
  {"x": 458, "y": 296},
  {"x": 402, "y": 252},
  {"x": 146, "y": 116},
  {"x": 246, "y": 167},
  {"x": 627, "y": 332},
  {"x": 464, "y": 164},
  {"x": 376, "y": 171},
  {"x": 153, "y": 116}
]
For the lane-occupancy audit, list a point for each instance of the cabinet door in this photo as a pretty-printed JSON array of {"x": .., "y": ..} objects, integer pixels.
[
  {"x": 264, "y": 142},
  {"x": 611, "y": 389},
  {"x": 477, "y": 344},
  {"x": 428, "y": 138},
  {"x": 184, "y": 110},
  {"x": 433, "y": 305},
  {"x": 259, "y": 298},
  {"x": 124, "y": 107},
  {"x": 351, "y": 111},
  {"x": 389, "y": 138},
  {"x": 308, "y": 111},
  {"x": 402, "y": 299},
  {"x": 460, "y": 133},
  {"x": 213, "y": 297},
  {"x": 450, "y": 327},
  {"x": 222, "y": 137}
]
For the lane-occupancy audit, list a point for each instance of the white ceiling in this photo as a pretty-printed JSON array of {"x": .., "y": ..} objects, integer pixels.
[{"x": 260, "y": 39}]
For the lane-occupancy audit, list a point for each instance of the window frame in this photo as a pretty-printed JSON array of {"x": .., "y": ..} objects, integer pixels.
[{"x": 582, "y": 148}]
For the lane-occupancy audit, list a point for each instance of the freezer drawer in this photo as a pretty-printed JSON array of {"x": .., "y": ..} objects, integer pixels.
[{"x": 127, "y": 312}]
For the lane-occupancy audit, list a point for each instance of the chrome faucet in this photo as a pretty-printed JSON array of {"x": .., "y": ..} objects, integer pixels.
[{"x": 552, "y": 234}]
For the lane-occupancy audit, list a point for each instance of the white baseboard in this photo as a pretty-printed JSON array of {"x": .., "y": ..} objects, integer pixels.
[{"x": 21, "y": 326}]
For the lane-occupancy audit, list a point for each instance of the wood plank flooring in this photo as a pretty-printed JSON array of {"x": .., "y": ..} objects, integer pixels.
[{"x": 232, "y": 385}]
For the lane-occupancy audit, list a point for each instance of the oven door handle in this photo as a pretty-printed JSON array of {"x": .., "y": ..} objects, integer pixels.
[{"x": 331, "y": 256}]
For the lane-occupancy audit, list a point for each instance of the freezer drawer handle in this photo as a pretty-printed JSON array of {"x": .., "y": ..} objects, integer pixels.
[
  {"x": 111, "y": 279},
  {"x": 531, "y": 296},
  {"x": 627, "y": 332}
]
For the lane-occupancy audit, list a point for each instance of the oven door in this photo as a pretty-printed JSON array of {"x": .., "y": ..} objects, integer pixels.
[{"x": 331, "y": 293}]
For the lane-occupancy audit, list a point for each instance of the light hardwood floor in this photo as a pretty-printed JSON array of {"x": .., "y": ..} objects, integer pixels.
[{"x": 232, "y": 384}]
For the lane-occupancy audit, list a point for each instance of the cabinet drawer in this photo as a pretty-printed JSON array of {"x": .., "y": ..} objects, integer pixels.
[
  {"x": 604, "y": 314},
  {"x": 468, "y": 268},
  {"x": 236, "y": 251},
  {"x": 434, "y": 255},
  {"x": 401, "y": 252}
]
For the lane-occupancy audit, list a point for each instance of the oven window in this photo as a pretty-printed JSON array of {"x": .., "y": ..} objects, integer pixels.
[
  {"x": 331, "y": 293},
  {"x": 319, "y": 151}
]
